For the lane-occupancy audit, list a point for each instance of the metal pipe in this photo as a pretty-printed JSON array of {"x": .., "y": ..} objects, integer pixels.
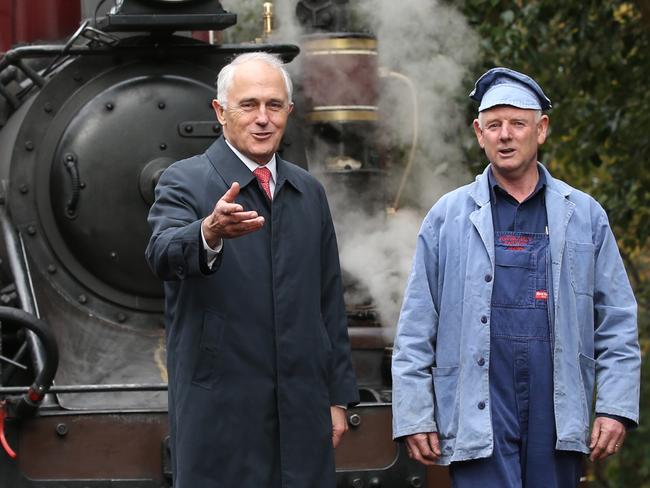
[
  {"x": 60, "y": 389},
  {"x": 34, "y": 394},
  {"x": 414, "y": 139},
  {"x": 268, "y": 20},
  {"x": 19, "y": 270}
]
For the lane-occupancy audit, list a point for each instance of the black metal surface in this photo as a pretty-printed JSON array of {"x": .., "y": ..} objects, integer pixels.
[
  {"x": 323, "y": 15},
  {"x": 92, "y": 104},
  {"x": 143, "y": 15}
]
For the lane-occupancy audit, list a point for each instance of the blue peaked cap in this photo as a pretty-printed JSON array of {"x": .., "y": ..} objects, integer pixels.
[{"x": 503, "y": 86}]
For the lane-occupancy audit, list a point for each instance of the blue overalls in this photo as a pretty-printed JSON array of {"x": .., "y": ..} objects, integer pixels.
[{"x": 521, "y": 362}]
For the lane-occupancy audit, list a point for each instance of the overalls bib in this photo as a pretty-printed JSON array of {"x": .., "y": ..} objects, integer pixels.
[{"x": 521, "y": 376}]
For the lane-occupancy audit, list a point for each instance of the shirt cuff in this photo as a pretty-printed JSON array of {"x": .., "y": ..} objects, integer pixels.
[{"x": 211, "y": 253}]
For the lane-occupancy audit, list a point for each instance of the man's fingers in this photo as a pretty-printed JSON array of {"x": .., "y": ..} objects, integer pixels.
[
  {"x": 434, "y": 444},
  {"x": 607, "y": 438},
  {"x": 224, "y": 208},
  {"x": 232, "y": 193},
  {"x": 418, "y": 448},
  {"x": 245, "y": 227},
  {"x": 237, "y": 217}
]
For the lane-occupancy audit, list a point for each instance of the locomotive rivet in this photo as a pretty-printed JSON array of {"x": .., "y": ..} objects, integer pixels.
[
  {"x": 188, "y": 128},
  {"x": 357, "y": 483},
  {"x": 23, "y": 188},
  {"x": 48, "y": 107},
  {"x": 31, "y": 230},
  {"x": 51, "y": 268},
  {"x": 82, "y": 298},
  {"x": 161, "y": 105},
  {"x": 121, "y": 317},
  {"x": 29, "y": 145},
  {"x": 163, "y": 146},
  {"x": 61, "y": 430},
  {"x": 374, "y": 482},
  {"x": 354, "y": 420},
  {"x": 109, "y": 106},
  {"x": 113, "y": 255},
  {"x": 415, "y": 482},
  {"x": 82, "y": 185},
  {"x": 69, "y": 158}
]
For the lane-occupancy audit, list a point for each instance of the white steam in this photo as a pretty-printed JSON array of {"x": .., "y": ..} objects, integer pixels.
[{"x": 432, "y": 45}]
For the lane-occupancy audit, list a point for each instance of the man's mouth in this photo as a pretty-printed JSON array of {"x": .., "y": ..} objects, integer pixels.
[
  {"x": 506, "y": 152},
  {"x": 261, "y": 136}
]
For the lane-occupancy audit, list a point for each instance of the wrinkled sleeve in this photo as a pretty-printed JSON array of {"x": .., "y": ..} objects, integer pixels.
[
  {"x": 342, "y": 381},
  {"x": 414, "y": 351},
  {"x": 618, "y": 358},
  {"x": 175, "y": 250}
]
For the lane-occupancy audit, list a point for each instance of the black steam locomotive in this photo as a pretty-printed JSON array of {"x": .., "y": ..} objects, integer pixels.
[{"x": 88, "y": 124}]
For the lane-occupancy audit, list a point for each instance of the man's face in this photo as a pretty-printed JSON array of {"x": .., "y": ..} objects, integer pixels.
[
  {"x": 510, "y": 137},
  {"x": 256, "y": 112}
]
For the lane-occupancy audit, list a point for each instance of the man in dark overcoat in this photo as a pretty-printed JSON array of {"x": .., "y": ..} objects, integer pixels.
[{"x": 258, "y": 354}]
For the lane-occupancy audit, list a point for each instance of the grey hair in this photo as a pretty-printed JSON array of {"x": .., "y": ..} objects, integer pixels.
[
  {"x": 227, "y": 73},
  {"x": 538, "y": 117}
]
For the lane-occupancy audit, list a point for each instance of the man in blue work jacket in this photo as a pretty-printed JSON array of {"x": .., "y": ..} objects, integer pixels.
[{"x": 517, "y": 309}]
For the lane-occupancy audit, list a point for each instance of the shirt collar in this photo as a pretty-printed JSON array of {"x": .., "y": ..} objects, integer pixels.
[
  {"x": 252, "y": 165},
  {"x": 541, "y": 183}
]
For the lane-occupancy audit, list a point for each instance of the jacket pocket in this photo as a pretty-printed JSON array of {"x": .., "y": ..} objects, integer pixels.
[
  {"x": 587, "y": 375},
  {"x": 581, "y": 267},
  {"x": 207, "y": 372},
  {"x": 445, "y": 384},
  {"x": 325, "y": 350}
]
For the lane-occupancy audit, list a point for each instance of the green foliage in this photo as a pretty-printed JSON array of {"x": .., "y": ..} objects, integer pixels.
[{"x": 592, "y": 57}]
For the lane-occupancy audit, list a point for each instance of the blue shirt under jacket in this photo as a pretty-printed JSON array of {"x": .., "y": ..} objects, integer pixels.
[{"x": 444, "y": 325}]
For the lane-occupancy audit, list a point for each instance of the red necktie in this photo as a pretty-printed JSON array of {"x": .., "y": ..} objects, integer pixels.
[{"x": 263, "y": 175}]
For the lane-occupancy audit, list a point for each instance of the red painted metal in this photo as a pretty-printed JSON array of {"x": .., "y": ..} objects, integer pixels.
[{"x": 37, "y": 20}]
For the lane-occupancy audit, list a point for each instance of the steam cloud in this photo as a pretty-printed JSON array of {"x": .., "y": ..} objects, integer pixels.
[{"x": 432, "y": 45}]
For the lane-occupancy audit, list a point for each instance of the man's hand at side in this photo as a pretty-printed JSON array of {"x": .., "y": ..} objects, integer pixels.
[
  {"x": 423, "y": 447},
  {"x": 607, "y": 436},
  {"x": 229, "y": 220},
  {"x": 339, "y": 424}
]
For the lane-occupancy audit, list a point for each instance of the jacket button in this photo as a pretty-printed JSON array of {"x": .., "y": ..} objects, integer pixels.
[
  {"x": 488, "y": 277},
  {"x": 180, "y": 269},
  {"x": 481, "y": 405},
  {"x": 484, "y": 319},
  {"x": 481, "y": 362}
]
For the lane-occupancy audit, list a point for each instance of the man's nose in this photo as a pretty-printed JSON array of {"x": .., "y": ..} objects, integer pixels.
[
  {"x": 262, "y": 115},
  {"x": 505, "y": 131}
]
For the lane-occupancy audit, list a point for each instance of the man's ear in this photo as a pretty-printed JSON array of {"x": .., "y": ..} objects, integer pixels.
[
  {"x": 542, "y": 129},
  {"x": 479, "y": 133},
  {"x": 219, "y": 110}
]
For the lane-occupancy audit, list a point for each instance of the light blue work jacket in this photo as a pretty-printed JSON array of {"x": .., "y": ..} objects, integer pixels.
[{"x": 444, "y": 325}]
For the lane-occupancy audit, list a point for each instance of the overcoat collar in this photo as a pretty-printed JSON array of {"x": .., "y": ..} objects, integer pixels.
[{"x": 231, "y": 168}]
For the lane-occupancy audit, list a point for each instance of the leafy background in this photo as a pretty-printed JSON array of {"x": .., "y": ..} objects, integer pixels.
[{"x": 593, "y": 59}]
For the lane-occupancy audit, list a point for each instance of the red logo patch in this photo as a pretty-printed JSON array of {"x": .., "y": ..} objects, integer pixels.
[
  {"x": 541, "y": 295},
  {"x": 513, "y": 242}
]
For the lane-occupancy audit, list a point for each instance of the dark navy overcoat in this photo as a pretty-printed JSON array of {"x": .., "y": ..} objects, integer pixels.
[{"x": 257, "y": 346}]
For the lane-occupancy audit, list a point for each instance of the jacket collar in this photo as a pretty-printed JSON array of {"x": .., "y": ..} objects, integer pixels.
[
  {"x": 231, "y": 168},
  {"x": 480, "y": 189}
]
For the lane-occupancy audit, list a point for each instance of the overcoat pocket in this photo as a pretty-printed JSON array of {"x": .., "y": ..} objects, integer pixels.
[{"x": 207, "y": 371}]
